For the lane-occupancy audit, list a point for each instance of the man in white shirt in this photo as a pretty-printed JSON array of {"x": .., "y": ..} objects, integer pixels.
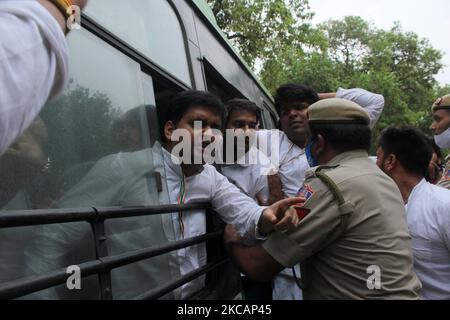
[
  {"x": 127, "y": 179},
  {"x": 292, "y": 102},
  {"x": 203, "y": 182},
  {"x": 246, "y": 171},
  {"x": 404, "y": 154},
  {"x": 33, "y": 62}
]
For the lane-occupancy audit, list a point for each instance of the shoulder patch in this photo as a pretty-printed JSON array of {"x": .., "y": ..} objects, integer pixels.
[{"x": 305, "y": 192}]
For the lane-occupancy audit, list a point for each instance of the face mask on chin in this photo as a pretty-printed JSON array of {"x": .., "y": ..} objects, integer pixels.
[{"x": 443, "y": 140}]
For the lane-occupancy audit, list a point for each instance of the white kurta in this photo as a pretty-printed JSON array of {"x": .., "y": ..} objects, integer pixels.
[
  {"x": 227, "y": 200},
  {"x": 33, "y": 64},
  {"x": 250, "y": 178},
  {"x": 428, "y": 215},
  {"x": 287, "y": 158}
]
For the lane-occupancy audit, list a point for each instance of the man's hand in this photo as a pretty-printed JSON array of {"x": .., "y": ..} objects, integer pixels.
[
  {"x": 280, "y": 216},
  {"x": 275, "y": 191}
]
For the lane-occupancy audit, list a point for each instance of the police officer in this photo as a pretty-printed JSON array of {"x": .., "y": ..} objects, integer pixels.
[
  {"x": 353, "y": 242},
  {"x": 441, "y": 130}
]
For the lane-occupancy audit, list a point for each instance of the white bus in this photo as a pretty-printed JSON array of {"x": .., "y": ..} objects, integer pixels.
[{"x": 128, "y": 60}]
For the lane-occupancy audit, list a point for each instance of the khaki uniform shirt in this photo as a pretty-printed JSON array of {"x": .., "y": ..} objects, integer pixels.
[
  {"x": 445, "y": 181},
  {"x": 339, "y": 253}
]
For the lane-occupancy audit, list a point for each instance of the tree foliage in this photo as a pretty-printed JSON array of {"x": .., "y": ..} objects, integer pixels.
[
  {"x": 350, "y": 52},
  {"x": 261, "y": 29}
]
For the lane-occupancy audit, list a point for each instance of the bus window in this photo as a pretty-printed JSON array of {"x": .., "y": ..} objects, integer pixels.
[
  {"x": 151, "y": 27},
  {"x": 217, "y": 84},
  {"x": 268, "y": 120},
  {"x": 96, "y": 146}
]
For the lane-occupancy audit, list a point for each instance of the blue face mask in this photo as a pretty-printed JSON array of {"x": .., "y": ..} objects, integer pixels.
[{"x": 313, "y": 161}]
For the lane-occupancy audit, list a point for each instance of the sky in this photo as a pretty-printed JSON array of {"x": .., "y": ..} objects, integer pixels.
[{"x": 429, "y": 19}]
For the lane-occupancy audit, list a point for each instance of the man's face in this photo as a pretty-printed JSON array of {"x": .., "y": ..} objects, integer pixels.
[
  {"x": 441, "y": 121},
  {"x": 209, "y": 119},
  {"x": 294, "y": 122},
  {"x": 244, "y": 122}
]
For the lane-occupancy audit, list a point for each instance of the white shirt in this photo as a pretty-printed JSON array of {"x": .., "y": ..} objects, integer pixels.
[
  {"x": 291, "y": 159},
  {"x": 227, "y": 200},
  {"x": 428, "y": 215},
  {"x": 251, "y": 179},
  {"x": 33, "y": 64},
  {"x": 371, "y": 102}
]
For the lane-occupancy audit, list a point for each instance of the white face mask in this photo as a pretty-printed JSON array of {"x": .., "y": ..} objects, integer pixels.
[{"x": 443, "y": 140}]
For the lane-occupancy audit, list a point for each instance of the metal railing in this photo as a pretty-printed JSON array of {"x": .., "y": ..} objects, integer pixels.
[{"x": 103, "y": 264}]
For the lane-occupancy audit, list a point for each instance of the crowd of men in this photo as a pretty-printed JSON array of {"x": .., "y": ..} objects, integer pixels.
[{"x": 323, "y": 222}]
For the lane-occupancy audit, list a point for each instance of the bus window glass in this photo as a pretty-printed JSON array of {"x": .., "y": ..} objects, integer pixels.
[
  {"x": 92, "y": 147},
  {"x": 151, "y": 27}
]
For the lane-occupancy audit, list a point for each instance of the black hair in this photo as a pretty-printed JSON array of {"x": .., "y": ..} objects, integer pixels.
[
  {"x": 180, "y": 104},
  {"x": 242, "y": 104},
  {"x": 344, "y": 137},
  {"x": 289, "y": 93},
  {"x": 410, "y": 146}
]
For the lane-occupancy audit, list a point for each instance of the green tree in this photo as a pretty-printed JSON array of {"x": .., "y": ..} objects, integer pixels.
[
  {"x": 397, "y": 64},
  {"x": 80, "y": 127},
  {"x": 262, "y": 29},
  {"x": 277, "y": 39}
]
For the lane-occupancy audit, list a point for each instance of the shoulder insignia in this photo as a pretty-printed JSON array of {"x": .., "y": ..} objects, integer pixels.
[
  {"x": 325, "y": 168},
  {"x": 305, "y": 192}
]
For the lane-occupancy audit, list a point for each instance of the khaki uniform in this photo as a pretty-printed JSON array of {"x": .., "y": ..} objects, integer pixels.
[
  {"x": 445, "y": 181},
  {"x": 336, "y": 245}
]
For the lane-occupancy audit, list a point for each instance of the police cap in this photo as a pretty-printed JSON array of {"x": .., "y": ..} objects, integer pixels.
[
  {"x": 441, "y": 103},
  {"x": 337, "y": 111}
]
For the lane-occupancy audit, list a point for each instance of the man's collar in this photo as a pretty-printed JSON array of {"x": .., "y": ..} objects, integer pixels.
[{"x": 172, "y": 162}]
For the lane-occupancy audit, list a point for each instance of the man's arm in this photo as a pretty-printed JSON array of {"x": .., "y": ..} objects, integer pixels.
[
  {"x": 34, "y": 69},
  {"x": 250, "y": 219},
  {"x": 54, "y": 11},
  {"x": 253, "y": 261},
  {"x": 371, "y": 102}
]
